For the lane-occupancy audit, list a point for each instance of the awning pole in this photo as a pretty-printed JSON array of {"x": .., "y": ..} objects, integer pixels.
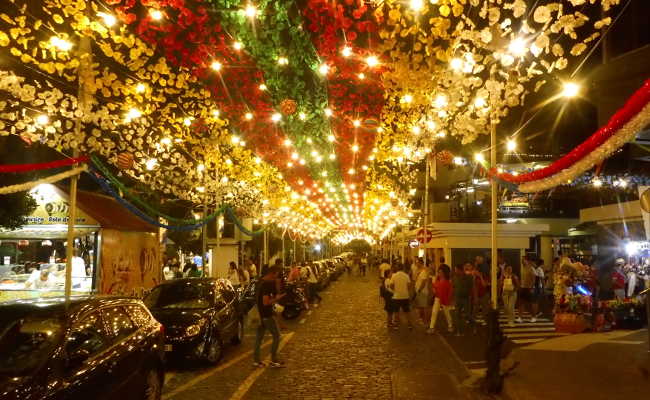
[{"x": 83, "y": 103}]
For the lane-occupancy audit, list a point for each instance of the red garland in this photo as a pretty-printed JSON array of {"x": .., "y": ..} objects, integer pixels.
[
  {"x": 47, "y": 165},
  {"x": 631, "y": 108},
  {"x": 193, "y": 41}
]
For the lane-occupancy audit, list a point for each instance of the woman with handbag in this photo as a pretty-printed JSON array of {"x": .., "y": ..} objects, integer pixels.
[{"x": 509, "y": 285}]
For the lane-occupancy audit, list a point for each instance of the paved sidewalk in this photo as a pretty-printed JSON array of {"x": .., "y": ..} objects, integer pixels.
[{"x": 594, "y": 366}]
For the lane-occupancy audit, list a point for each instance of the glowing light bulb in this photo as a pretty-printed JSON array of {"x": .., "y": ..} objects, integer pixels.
[
  {"x": 416, "y": 130},
  {"x": 42, "y": 119},
  {"x": 133, "y": 113},
  {"x": 407, "y": 99},
  {"x": 517, "y": 47},
  {"x": 216, "y": 113},
  {"x": 570, "y": 89},
  {"x": 328, "y": 112},
  {"x": 323, "y": 69},
  {"x": 140, "y": 88},
  {"x": 287, "y": 142},
  {"x": 355, "y": 148},
  {"x": 248, "y": 116},
  {"x": 60, "y": 44},
  {"x": 188, "y": 121},
  {"x": 440, "y": 101},
  {"x": 332, "y": 156},
  {"x": 417, "y": 5},
  {"x": 372, "y": 61},
  {"x": 250, "y": 11},
  {"x": 235, "y": 139},
  {"x": 200, "y": 168},
  {"x": 362, "y": 76},
  {"x": 237, "y": 45},
  {"x": 294, "y": 156},
  {"x": 511, "y": 145},
  {"x": 216, "y": 65},
  {"x": 156, "y": 15},
  {"x": 283, "y": 61},
  {"x": 441, "y": 134},
  {"x": 479, "y": 157},
  {"x": 480, "y": 102},
  {"x": 331, "y": 138},
  {"x": 258, "y": 160},
  {"x": 263, "y": 87},
  {"x": 346, "y": 52},
  {"x": 356, "y": 123},
  {"x": 109, "y": 20},
  {"x": 597, "y": 182},
  {"x": 302, "y": 116},
  {"x": 351, "y": 171},
  {"x": 456, "y": 64},
  {"x": 151, "y": 164}
]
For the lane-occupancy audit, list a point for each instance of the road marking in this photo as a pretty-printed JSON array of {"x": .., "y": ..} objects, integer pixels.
[
  {"x": 248, "y": 382},
  {"x": 526, "y": 341},
  {"x": 169, "y": 376},
  {"x": 532, "y": 334},
  {"x": 209, "y": 373}
]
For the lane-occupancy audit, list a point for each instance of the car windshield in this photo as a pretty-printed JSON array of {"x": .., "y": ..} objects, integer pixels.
[
  {"x": 184, "y": 295},
  {"x": 27, "y": 342}
]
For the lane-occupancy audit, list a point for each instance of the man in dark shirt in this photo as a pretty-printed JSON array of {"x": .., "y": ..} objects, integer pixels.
[{"x": 267, "y": 296}]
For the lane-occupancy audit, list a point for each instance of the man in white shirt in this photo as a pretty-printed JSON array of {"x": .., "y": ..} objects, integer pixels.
[{"x": 400, "y": 284}]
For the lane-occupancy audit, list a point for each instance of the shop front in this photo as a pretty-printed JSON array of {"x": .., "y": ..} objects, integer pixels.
[{"x": 114, "y": 252}]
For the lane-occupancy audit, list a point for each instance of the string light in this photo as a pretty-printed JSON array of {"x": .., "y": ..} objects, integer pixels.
[
  {"x": 250, "y": 11},
  {"x": 356, "y": 123},
  {"x": 60, "y": 44},
  {"x": 216, "y": 113},
  {"x": 517, "y": 47},
  {"x": 416, "y": 130},
  {"x": 570, "y": 89},
  {"x": 440, "y": 101},
  {"x": 109, "y": 20},
  {"x": 302, "y": 116},
  {"x": 140, "y": 88},
  {"x": 133, "y": 113},
  {"x": 479, "y": 157},
  {"x": 417, "y": 5},
  {"x": 441, "y": 134},
  {"x": 323, "y": 69},
  {"x": 42, "y": 120},
  {"x": 346, "y": 52},
  {"x": 248, "y": 116},
  {"x": 332, "y": 156},
  {"x": 407, "y": 99},
  {"x": 362, "y": 76},
  {"x": 151, "y": 164},
  {"x": 372, "y": 61},
  {"x": 328, "y": 112},
  {"x": 235, "y": 139},
  {"x": 156, "y": 15},
  {"x": 287, "y": 142},
  {"x": 480, "y": 102},
  {"x": 511, "y": 145},
  {"x": 216, "y": 65},
  {"x": 456, "y": 64},
  {"x": 263, "y": 86},
  {"x": 237, "y": 45},
  {"x": 331, "y": 138},
  {"x": 355, "y": 148},
  {"x": 597, "y": 182},
  {"x": 283, "y": 61}
]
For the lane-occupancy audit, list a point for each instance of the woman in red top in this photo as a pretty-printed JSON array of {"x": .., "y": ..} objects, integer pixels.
[{"x": 442, "y": 291}]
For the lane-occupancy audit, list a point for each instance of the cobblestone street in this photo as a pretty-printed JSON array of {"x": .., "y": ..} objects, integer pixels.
[{"x": 341, "y": 350}]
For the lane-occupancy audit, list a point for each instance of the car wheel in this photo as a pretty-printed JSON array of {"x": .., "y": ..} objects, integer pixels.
[
  {"x": 214, "y": 350},
  {"x": 239, "y": 335},
  {"x": 153, "y": 385}
]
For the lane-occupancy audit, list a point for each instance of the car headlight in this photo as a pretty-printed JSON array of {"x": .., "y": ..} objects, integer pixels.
[{"x": 193, "y": 330}]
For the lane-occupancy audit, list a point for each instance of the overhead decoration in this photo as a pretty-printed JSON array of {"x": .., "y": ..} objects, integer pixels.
[
  {"x": 41, "y": 166},
  {"x": 23, "y": 187},
  {"x": 311, "y": 116},
  {"x": 621, "y": 128}
]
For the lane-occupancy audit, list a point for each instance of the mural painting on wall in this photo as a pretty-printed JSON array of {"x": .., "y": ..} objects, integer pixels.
[{"x": 130, "y": 262}]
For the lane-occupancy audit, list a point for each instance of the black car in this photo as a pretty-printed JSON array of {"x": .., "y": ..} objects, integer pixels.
[
  {"x": 86, "y": 348},
  {"x": 199, "y": 315}
]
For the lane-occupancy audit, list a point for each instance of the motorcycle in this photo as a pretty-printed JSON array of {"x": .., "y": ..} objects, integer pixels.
[{"x": 294, "y": 302}]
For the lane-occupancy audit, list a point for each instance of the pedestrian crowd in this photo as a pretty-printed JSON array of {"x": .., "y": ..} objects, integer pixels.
[{"x": 417, "y": 293}]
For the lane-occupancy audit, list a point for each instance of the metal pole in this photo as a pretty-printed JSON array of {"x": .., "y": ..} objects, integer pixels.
[
  {"x": 283, "y": 260},
  {"x": 83, "y": 101},
  {"x": 425, "y": 206},
  {"x": 213, "y": 272},
  {"x": 266, "y": 247},
  {"x": 295, "y": 256},
  {"x": 493, "y": 219},
  {"x": 204, "y": 238}
]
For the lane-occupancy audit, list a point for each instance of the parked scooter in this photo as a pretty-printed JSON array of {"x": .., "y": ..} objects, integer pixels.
[{"x": 294, "y": 302}]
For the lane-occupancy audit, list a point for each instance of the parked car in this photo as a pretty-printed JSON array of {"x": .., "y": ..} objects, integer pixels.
[
  {"x": 200, "y": 316},
  {"x": 86, "y": 348},
  {"x": 247, "y": 296}
]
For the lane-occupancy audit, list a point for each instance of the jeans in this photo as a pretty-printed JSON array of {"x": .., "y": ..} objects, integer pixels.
[
  {"x": 434, "y": 315},
  {"x": 313, "y": 292},
  {"x": 270, "y": 324},
  {"x": 462, "y": 313},
  {"x": 509, "y": 301}
]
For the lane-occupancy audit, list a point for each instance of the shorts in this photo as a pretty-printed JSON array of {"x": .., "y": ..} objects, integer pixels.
[
  {"x": 525, "y": 295},
  {"x": 404, "y": 304},
  {"x": 389, "y": 306}
]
